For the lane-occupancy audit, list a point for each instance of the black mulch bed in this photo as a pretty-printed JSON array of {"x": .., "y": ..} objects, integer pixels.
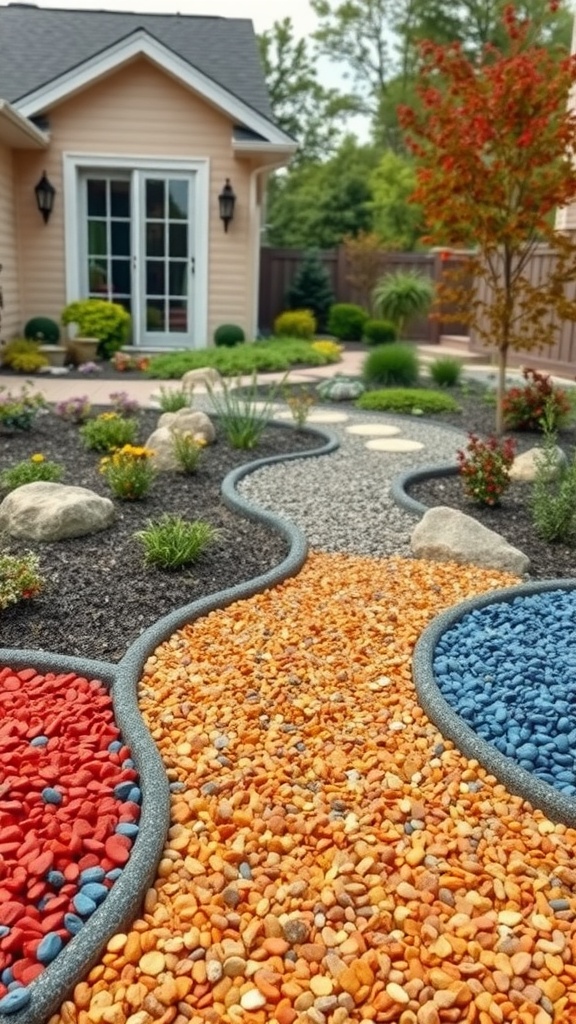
[{"x": 98, "y": 596}]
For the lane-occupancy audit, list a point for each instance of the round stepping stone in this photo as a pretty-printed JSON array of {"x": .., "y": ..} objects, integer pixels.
[
  {"x": 393, "y": 444},
  {"x": 372, "y": 430}
]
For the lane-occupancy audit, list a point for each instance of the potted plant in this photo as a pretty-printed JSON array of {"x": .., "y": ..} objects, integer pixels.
[
  {"x": 103, "y": 327},
  {"x": 46, "y": 333}
]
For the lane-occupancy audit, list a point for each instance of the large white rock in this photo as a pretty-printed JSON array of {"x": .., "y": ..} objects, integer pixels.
[
  {"x": 524, "y": 467},
  {"x": 205, "y": 375},
  {"x": 446, "y": 535},
  {"x": 189, "y": 421},
  {"x": 48, "y": 512}
]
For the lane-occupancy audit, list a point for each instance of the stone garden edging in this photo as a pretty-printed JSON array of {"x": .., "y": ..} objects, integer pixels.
[{"x": 120, "y": 907}]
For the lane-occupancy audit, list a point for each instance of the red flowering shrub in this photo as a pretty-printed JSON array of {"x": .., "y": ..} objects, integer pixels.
[
  {"x": 524, "y": 407},
  {"x": 484, "y": 467}
]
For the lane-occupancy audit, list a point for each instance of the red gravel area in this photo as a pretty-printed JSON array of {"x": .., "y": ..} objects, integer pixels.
[{"x": 331, "y": 857}]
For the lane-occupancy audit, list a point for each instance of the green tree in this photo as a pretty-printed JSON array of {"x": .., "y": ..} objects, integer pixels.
[
  {"x": 494, "y": 151},
  {"x": 311, "y": 289},
  {"x": 397, "y": 219},
  {"x": 317, "y": 204},
  {"x": 313, "y": 115}
]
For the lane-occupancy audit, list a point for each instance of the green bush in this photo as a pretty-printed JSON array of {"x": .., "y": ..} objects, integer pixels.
[
  {"x": 229, "y": 334},
  {"x": 171, "y": 541},
  {"x": 273, "y": 356},
  {"x": 109, "y": 430},
  {"x": 380, "y": 332},
  {"x": 415, "y": 401},
  {"x": 23, "y": 356},
  {"x": 96, "y": 318},
  {"x": 402, "y": 295},
  {"x": 394, "y": 364},
  {"x": 311, "y": 289},
  {"x": 296, "y": 323},
  {"x": 446, "y": 371},
  {"x": 42, "y": 329},
  {"x": 346, "y": 321}
]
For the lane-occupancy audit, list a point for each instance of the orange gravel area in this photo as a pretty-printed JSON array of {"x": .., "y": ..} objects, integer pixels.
[{"x": 331, "y": 858}]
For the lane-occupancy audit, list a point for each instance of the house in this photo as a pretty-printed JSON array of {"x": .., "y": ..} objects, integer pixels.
[{"x": 143, "y": 125}]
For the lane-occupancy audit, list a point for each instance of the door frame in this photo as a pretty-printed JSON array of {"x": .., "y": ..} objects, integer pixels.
[{"x": 76, "y": 164}]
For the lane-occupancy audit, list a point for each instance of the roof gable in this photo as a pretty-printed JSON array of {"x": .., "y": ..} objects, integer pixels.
[
  {"x": 141, "y": 44},
  {"x": 39, "y": 46}
]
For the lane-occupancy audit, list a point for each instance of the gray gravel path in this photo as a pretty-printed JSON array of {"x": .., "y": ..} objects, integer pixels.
[{"x": 342, "y": 501}]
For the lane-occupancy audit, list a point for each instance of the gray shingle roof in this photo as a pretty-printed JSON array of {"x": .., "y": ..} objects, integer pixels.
[{"x": 37, "y": 45}]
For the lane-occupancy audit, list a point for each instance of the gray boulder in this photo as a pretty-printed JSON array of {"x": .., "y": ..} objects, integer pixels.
[
  {"x": 50, "y": 512},
  {"x": 524, "y": 467},
  {"x": 188, "y": 421},
  {"x": 203, "y": 376},
  {"x": 446, "y": 535}
]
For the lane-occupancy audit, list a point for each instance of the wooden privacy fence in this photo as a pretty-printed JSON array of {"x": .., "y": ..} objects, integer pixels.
[
  {"x": 278, "y": 268},
  {"x": 561, "y": 356}
]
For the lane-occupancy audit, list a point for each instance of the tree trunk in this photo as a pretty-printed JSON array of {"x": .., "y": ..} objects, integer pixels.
[{"x": 500, "y": 388}]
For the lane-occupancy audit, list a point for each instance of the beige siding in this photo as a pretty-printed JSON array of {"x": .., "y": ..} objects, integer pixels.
[
  {"x": 139, "y": 111},
  {"x": 10, "y": 315}
]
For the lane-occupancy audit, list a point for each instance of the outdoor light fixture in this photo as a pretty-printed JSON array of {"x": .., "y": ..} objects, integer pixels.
[
  {"x": 226, "y": 202},
  {"x": 45, "y": 193}
]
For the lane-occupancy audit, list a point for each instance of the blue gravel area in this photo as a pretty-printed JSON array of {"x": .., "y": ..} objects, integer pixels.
[{"x": 509, "y": 670}]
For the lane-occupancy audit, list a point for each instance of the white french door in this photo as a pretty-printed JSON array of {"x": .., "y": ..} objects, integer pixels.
[{"x": 138, "y": 249}]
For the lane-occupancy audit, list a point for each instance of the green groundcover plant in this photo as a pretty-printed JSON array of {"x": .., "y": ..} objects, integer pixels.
[
  {"x": 275, "y": 355},
  {"x": 171, "y": 541},
  {"x": 414, "y": 401},
  {"x": 29, "y": 471}
]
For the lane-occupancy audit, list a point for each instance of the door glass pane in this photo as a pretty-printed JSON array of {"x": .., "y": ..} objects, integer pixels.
[
  {"x": 178, "y": 240},
  {"x": 97, "y": 197},
  {"x": 155, "y": 277},
  {"x": 178, "y": 200},
  {"x": 155, "y": 320},
  {"x": 177, "y": 278},
  {"x": 98, "y": 276},
  {"x": 97, "y": 238},
  {"x": 121, "y": 277},
  {"x": 178, "y": 316},
  {"x": 155, "y": 239},
  {"x": 155, "y": 198},
  {"x": 120, "y": 238},
  {"x": 120, "y": 198}
]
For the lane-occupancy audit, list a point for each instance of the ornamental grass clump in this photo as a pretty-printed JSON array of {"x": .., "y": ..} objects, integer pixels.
[
  {"x": 18, "y": 412},
  {"x": 171, "y": 541},
  {"x": 391, "y": 365},
  {"x": 188, "y": 450},
  {"x": 129, "y": 472},
  {"x": 19, "y": 578},
  {"x": 107, "y": 431},
  {"x": 446, "y": 371},
  {"x": 242, "y": 415},
  {"x": 553, "y": 498},
  {"x": 174, "y": 399},
  {"x": 524, "y": 407},
  {"x": 485, "y": 468},
  {"x": 31, "y": 471},
  {"x": 74, "y": 410}
]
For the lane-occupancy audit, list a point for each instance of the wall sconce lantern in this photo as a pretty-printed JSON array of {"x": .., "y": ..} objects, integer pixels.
[
  {"x": 45, "y": 193},
  {"x": 226, "y": 202}
]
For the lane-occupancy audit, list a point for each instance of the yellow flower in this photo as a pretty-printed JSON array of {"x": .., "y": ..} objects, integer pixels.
[
  {"x": 108, "y": 416},
  {"x": 37, "y": 457}
]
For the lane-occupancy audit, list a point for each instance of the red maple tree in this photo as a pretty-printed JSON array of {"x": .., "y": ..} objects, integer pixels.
[{"x": 495, "y": 144}]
